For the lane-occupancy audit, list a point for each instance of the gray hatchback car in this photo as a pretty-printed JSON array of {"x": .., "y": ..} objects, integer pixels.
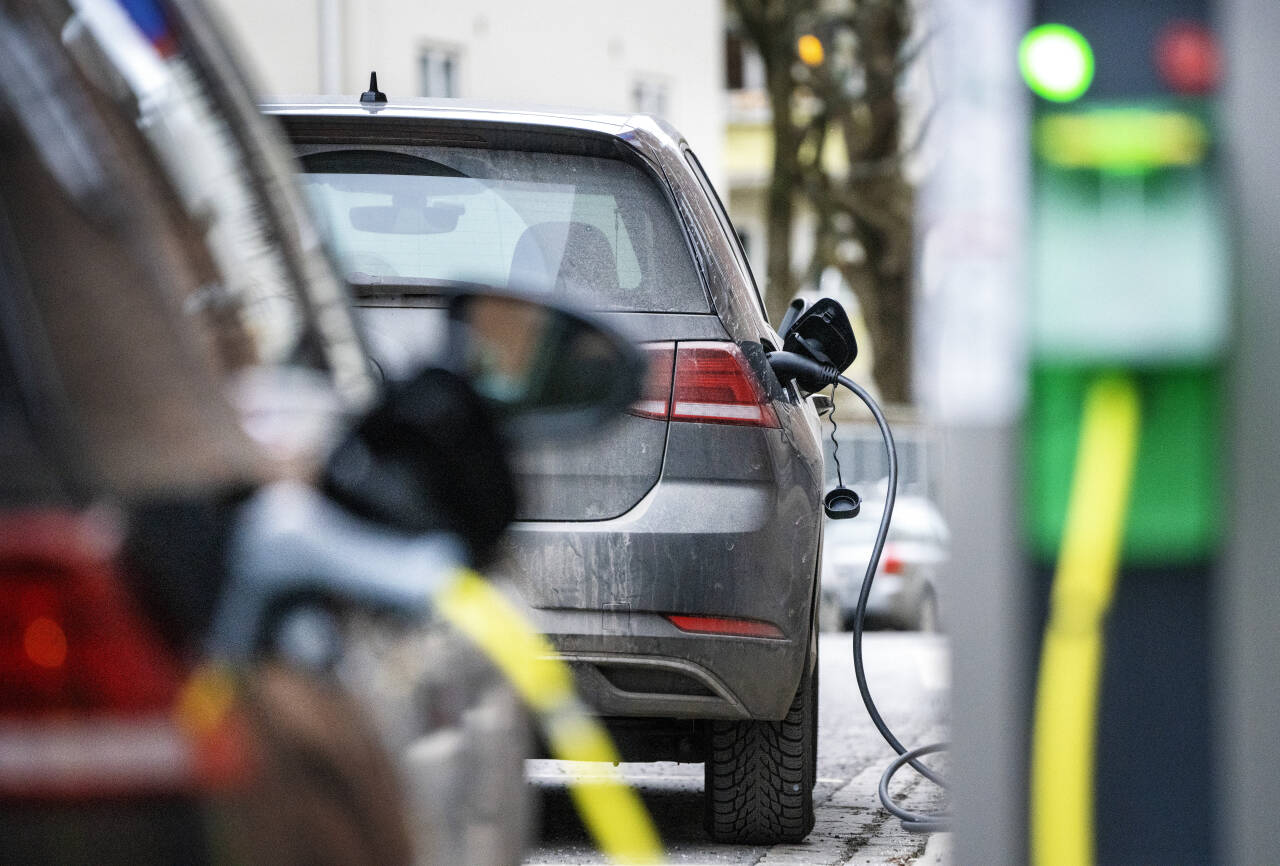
[{"x": 674, "y": 560}]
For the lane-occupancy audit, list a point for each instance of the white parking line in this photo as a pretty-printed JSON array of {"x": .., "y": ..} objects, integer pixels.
[
  {"x": 636, "y": 777},
  {"x": 597, "y": 777}
]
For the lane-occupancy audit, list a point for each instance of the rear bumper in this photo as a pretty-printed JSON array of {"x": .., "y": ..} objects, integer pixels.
[
  {"x": 641, "y": 665},
  {"x": 731, "y": 530}
]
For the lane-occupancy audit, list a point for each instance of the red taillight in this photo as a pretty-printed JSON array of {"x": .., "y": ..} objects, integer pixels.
[
  {"x": 71, "y": 644},
  {"x": 712, "y": 383},
  {"x": 890, "y": 562},
  {"x": 715, "y": 384},
  {"x": 91, "y": 700},
  {"x": 725, "y": 625},
  {"x": 655, "y": 396}
]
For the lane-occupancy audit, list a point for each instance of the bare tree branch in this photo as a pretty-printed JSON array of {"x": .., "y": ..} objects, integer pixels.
[{"x": 853, "y": 91}]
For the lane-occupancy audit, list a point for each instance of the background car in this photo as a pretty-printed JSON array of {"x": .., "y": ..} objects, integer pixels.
[
  {"x": 904, "y": 592},
  {"x": 673, "y": 561}
]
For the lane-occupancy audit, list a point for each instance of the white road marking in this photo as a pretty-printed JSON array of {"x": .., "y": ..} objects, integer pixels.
[
  {"x": 635, "y": 777},
  {"x": 596, "y": 777}
]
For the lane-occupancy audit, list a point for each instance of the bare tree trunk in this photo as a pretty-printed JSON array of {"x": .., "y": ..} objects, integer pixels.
[
  {"x": 880, "y": 199},
  {"x": 772, "y": 27},
  {"x": 780, "y": 281}
]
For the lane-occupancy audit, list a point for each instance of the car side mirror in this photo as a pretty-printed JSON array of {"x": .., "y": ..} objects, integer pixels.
[
  {"x": 433, "y": 454},
  {"x": 545, "y": 370},
  {"x": 823, "y": 333}
]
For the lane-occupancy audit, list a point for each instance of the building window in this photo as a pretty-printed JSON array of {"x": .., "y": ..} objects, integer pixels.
[
  {"x": 649, "y": 96},
  {"x": 438, "y": 72}
]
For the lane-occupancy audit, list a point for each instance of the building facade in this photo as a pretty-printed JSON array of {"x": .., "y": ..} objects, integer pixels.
[{"x": 663, "y": 57}]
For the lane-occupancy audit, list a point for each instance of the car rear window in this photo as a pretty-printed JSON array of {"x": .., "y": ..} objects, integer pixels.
[{"x": 590, "y": 230}]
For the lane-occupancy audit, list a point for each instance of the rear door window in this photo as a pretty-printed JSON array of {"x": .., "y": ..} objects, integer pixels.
[{"x": 595, "y": 231}]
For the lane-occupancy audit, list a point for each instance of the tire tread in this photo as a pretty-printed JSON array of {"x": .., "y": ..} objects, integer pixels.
[{"x": 759, "y": 775}]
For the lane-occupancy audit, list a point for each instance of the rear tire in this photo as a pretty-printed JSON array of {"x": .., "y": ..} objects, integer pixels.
[
  {"x": 813, "y": 752},
  {"x": 926, "y": 618},
  {"x": 759, "y": 776}
]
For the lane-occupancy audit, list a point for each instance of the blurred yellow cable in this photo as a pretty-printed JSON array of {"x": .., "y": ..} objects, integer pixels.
[
  {"x": 610, "y": 809},
  {"x": 1062, "y": 759}
]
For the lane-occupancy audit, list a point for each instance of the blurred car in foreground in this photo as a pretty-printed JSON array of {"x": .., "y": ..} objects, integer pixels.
[
  {"x": 672, "y": 561},
  {"x": 179, "y": 373},
  {"x": 130, "y": 323},
  {"x": 904, "y": 592}
]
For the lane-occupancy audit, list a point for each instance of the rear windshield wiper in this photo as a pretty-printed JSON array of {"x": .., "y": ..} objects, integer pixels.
[{"x": 376, "y": 286}]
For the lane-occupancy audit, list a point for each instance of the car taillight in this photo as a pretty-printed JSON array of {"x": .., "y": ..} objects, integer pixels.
[
  {"x": 890, "y": 562},
  {"x": 725, "y": 625},
  {"x": 715, "y": 384},
  {"x": 655, "y": 395},
  {"x": 91, "y": 700},
  {"x": 712, "y": 383}
]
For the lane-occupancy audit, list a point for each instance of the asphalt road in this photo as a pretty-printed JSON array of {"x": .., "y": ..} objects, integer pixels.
[{"x": 909, "y": 677}]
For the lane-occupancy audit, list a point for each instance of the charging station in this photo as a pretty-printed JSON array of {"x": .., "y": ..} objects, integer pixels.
[
  {"x": 1130, "y": 283},
  {"x": 1089, "y": 497}
]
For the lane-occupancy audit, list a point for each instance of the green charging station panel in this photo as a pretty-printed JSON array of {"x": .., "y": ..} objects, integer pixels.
[{"x": 1130, "y": 273}]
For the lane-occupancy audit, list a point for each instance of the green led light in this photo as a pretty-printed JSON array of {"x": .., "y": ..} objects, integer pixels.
[{"x": 1056, "y": 62}]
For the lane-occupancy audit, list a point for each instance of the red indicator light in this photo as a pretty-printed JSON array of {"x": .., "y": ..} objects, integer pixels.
[
  {"x": 1187, "y": 58},
  {"x": 725, "y": 625},
  {"x": 92, "y": 701},
  {"x": 45, "y": 643}
]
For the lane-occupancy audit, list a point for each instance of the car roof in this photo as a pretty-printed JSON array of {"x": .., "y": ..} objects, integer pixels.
[{"x": 479, "y": 111}]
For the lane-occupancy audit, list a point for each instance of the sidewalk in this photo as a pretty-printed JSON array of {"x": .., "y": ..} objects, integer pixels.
[{"x": 851, "y": 828}]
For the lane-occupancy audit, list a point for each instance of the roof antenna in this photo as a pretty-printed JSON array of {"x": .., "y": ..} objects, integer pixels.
[{"x": 373, "y": 94}]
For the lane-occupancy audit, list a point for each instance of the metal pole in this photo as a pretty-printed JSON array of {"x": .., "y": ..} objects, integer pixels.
[
  {"x": 972, "y": 375},
  {"x": 1248, "y": 613}
]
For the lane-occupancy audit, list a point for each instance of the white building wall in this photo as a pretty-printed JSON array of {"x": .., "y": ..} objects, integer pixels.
[{"x": 584, "y": 53}]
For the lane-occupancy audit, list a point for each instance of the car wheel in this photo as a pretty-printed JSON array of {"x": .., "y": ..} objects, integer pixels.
[
  {"x": 760, "y": 775},
  {"x": 927, "y": 616},
  {"x": 813, "y": 752}
]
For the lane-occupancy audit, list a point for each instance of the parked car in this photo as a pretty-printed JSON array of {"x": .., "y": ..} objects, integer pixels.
[
  {"x": 904, "y": 593},
  {"x": 673, "y": 561},
  {"x": 180, "y": 374}
]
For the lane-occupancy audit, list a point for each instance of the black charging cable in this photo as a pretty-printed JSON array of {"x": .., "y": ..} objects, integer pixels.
[{"x": 813, "y": 376}]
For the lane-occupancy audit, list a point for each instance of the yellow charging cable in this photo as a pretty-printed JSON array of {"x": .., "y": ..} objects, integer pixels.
[
  {"x": 610, "y": 809},
  {"x": 1062, "y": 755}
]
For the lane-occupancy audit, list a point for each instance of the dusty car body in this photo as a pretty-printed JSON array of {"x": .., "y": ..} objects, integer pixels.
[{"x": 673, "y": 561}]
